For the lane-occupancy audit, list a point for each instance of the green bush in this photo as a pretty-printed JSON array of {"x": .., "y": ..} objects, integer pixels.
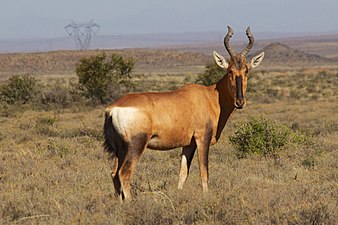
[
  {"x": 262, "y": 137},
  {"x": 103, "y": 78},
  {"x": 20, "y": 89},
  {"x": 212, "y": 74}
]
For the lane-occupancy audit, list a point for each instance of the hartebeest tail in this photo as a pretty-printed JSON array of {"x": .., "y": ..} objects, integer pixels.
[
  {"x": 191, "y": 117},
  {"x": 109, "y": 136}
]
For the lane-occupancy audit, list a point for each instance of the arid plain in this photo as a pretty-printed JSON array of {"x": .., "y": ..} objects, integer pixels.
[{"x": 53, "y": 169}]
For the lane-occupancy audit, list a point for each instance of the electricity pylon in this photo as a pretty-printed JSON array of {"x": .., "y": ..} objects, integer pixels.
[{"x": 82, "y": 33}]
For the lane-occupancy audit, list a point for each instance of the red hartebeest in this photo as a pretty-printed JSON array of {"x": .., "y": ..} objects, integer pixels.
[{"x": 191, "y": 117}]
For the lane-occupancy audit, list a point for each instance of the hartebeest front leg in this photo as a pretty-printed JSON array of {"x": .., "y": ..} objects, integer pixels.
[
  {"x": 187, "y": 155},
  {"x": 203, "y": 144}
]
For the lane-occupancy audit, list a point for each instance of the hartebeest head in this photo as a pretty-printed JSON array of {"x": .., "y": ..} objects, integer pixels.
[{"x": 237, "y": 68}]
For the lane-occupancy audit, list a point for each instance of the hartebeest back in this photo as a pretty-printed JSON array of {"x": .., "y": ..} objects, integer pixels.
[{"x": 191, "y": 117}]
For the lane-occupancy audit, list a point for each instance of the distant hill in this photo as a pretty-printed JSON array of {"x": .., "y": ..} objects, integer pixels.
[
  {"x": 321, "y": 45},
  {"x": 61, "y": 62},
  {"x": 316, "y": 43},
  {"x": 158, "y": 61},
  {"x": 278, "y": 54}
]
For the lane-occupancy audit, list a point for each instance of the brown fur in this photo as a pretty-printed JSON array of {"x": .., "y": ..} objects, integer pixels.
[{"x": 191, "y": 117}]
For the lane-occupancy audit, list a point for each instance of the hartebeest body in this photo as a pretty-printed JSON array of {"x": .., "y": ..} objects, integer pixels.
[{"x": 191, "y": 117}]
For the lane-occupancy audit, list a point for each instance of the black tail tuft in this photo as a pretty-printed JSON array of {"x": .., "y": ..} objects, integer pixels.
[{"x": 109, "y": 133}]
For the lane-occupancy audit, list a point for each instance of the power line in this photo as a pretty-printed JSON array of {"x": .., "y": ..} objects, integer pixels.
[{"x": 82, "y": 33}]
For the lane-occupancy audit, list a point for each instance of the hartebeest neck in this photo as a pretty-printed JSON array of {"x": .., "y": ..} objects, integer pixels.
[
  {"x": 225, "y": 103},
  {"x": 224, "y": 98}
]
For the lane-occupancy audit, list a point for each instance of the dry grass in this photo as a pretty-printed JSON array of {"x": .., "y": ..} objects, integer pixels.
[
  {"x": 53, "y": 170},
  {"x": 295, "y": 86}
]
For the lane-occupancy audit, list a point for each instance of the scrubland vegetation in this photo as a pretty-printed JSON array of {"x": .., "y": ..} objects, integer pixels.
[{"x": 276, "y": 162}]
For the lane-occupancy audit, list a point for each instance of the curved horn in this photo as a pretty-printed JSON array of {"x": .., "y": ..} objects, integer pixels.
[
  {"x": 251, "y": 41},
  {"x": 226, "y": 42}
]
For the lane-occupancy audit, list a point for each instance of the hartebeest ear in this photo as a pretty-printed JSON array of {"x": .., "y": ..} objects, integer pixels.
[
  {"x": 255, "y": 61},
  {"x": 220, "y": 60}
]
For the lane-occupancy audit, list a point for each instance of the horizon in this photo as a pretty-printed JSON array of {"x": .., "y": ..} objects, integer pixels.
[
  {"x": 239, "y": 35},
  {"x": 159, "y": 40}
]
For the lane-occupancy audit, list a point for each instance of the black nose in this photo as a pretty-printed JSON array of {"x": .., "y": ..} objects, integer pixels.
[{"x": 239, "y": 103}]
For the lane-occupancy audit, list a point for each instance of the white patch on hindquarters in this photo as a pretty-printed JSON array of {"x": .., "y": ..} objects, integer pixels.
[{"x": 124, "y": 119}]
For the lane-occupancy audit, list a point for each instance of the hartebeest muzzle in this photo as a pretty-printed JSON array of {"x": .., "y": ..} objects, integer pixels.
[{"x": 240, "y": 100}]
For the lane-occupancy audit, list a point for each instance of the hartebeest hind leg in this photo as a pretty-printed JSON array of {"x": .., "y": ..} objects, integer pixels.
[
  {"x": 187, "y": 156},
  {"x": 115, "y": 168},
  {"x": 136, "y": 147},
  {"x": 115, "y": 178},
  {"x": 119, "y": 159}
]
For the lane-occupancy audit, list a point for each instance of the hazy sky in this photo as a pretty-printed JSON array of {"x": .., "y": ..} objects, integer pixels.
[{"x": 47, "y": 18}]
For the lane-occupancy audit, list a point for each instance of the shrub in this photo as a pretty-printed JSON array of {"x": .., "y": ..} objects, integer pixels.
[
  {"x": 262, "y": 137},
  {"x": 57, "y": 95},
  {"x": 20, "y": 89},
  {"x": 102, "y": 78},
  {"x": 212, "y": 74}
]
